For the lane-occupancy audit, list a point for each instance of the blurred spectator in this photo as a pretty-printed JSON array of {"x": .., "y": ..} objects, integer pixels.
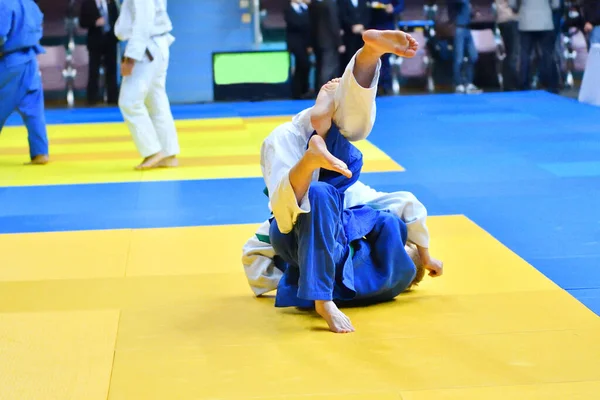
[
  {"x": 591, "y": 15},
  {"x": 459, "y": 14},
  {"x": 384, "y": 15},
  {"x": 99, "y": 18},
  {"x": 536, "y": 28},
  {"x": 298, "y": 43},
  {"x": 355, "y": 17},
  {"x": 327, "y": 39},
  {"x": 509, "y": 29}
]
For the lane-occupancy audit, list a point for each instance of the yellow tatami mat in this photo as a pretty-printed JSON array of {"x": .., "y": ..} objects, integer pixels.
[
  {"x": 56, "y": 355},
  {"x": 492, "y": 327},
  {"x": 95, "y": 153}
]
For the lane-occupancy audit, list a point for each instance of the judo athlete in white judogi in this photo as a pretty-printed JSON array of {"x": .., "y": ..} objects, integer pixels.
[
  {"x": 332, "y": 240},
  {"x": 20, "y": 81},
  {"x": 143, "y": 101}
]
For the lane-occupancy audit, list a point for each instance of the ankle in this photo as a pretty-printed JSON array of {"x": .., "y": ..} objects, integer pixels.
[
  {"x": 369, "y": 54},
  {"x": 322, "y": 305}
]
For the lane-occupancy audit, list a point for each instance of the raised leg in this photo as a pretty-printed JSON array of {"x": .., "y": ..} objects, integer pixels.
[{"x": 355, "y": 97}]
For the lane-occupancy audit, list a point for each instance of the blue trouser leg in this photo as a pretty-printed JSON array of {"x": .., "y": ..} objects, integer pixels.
[
  {"x": 23, "y": 84},
  {"x": 316, "y": 244},
  {"x": 11, "y": 83},
  {"x": 31, "y": 109},
  {"x": 459, "y": 55},
  {"x": 464, "y": 44},
  {"x": 472, "y": 55}
]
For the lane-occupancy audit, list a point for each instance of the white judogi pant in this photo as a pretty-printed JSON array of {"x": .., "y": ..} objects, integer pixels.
[{"x": 144, "y": 103}]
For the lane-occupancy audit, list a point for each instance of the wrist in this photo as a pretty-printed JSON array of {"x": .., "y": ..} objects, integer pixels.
[{"x": 424, "y": 255}]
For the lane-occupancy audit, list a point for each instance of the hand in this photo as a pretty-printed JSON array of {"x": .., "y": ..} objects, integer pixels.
[
  {"x": 100, "y": 21},
  {"x": 435, "y": 267},
  {"x": 342, "y": 49},
  {"x": 389, "y": 9},
  {"x": 127, "y": 66},
  {"x": 588, "y": 27},
  {"x": 358, "y": 28},
  {"x": 320, "y": 157}
]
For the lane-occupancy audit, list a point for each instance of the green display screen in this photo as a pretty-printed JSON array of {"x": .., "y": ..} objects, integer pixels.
[{"x": 251, "y": 67}]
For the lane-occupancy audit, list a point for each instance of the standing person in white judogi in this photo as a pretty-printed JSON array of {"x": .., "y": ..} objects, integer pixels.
[{"x": 143, "y": 101}]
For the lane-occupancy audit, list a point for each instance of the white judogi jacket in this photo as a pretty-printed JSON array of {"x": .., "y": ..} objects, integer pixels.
[
  {"x": 140, "y": 21},
  {"x": 285, "y": 146}
]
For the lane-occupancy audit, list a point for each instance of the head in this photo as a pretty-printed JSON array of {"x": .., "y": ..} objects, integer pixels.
[{"x": 413, "y": 253}]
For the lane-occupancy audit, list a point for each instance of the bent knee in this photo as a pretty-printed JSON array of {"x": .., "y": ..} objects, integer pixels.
[{"x": 320, "y": 191}]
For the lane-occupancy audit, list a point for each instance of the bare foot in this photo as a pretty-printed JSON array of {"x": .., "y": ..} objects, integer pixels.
[
  {"x": 38, "y": 160},
  {"x": 322, "y": 112},
  {"x": 338, "y": 322},
  {"x": 151, "y": 161},
  {"x": 169, "y": 162},
  {"x": 322, "y": 158},
  {"x": 394, "y": 42}
]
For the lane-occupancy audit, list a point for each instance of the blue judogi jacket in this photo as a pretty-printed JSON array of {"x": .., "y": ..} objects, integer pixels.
[{"x": 21, "y": 29}]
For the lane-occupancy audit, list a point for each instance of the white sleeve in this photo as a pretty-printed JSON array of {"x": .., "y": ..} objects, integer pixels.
[
  {"x": 355, "y": 105},
  {"x": 277, "y": 159},
  {"x": 143, "y": 20},
  {"x": 404, "y": 204},
  {"x": 259, "y": 267}
]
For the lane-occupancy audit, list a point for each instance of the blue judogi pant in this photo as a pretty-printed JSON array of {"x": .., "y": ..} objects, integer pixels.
[
  {"x": 351, "y": 256},
  {"x": 21, "y": 90}
]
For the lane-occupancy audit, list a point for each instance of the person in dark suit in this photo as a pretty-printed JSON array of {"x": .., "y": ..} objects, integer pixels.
[
  {"x": 327, "y": 39},
  {"x": 99, "y": 18},
  {"x": 298, "y": 43},
  {"x": 355, "y": 17},
  {"x": 591, "y": 14}
]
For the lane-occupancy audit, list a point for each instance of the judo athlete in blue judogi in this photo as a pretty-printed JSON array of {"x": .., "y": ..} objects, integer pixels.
[
  {"x": 384, "y": 14},
  {"x": 20, "y": 81},
  {"x": 332, "y": 254}
]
